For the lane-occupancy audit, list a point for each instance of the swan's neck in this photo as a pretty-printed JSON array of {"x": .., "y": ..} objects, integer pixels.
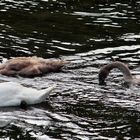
[{"x": 122, "y": 67}]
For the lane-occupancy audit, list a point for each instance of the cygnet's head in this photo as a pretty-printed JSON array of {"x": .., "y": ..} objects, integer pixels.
[{"x": 102, "y": 76}]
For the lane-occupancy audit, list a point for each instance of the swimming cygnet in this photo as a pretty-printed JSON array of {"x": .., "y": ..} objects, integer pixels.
[
  {"x": 30, "y": 66},
  {"x": 105, "y": 70}
]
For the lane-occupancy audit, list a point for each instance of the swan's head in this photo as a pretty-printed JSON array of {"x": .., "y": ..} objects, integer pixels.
[{"x": 102, "y": 76}]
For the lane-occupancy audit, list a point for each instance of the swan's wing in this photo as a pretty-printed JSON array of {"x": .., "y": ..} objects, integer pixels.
[
  {"x": 9, "y": 94},
  {"x": 34, "y": 96},
  {"x": 9, "y": 88}
]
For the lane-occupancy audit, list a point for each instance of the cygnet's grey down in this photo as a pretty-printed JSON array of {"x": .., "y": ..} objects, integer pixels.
[{"x": 30, "y": 66}]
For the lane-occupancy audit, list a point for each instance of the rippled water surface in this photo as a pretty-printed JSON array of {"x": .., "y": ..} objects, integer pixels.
[{"x": 88, "y": 33}]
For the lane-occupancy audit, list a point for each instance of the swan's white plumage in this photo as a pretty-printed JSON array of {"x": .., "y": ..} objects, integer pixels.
[{"x": 12, "y": 93}]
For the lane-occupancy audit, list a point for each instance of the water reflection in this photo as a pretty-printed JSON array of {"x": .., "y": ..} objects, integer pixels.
[{"x": 87, "y": 33}]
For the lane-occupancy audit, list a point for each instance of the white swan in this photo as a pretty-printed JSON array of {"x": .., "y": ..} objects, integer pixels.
[{"x": 13, "y": 94}]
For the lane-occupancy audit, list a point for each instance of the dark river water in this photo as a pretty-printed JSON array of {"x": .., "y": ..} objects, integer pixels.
[{"x": 88, "y": 33}]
